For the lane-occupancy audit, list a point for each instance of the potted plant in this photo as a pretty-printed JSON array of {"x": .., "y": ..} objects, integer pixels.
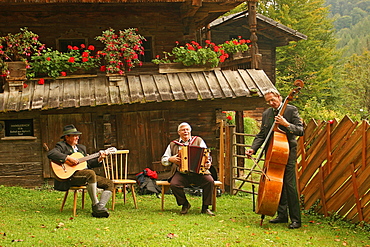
[
  {"x": 208, "y": 55},
  {"x": 120, "y": 50},
  {"x": 18, "y": 47},
  {"x": 236, "y": 47},
  {"x": 53, "y": 63},
  {"x": 194, "y": 54}
]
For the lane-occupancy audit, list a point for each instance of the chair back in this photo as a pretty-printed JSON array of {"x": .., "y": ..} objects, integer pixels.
[{"x": 115, "y": 165}]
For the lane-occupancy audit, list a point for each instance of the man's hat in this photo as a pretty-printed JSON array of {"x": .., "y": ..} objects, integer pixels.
[{"x": 70, "y": 130}]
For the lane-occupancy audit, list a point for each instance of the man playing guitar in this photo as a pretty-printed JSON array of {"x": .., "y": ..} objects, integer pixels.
[{"x": 65, "y": 155}]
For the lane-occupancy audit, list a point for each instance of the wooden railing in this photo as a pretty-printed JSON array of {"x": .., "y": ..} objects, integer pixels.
[{"x": 333, "y": 168}]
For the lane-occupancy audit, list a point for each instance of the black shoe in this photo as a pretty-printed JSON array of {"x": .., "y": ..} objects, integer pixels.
[
  {"x": 185, "y": 208},
  {"x": 100, "y": 215},
  {"x": 278, "y": 220},
  {"x": 207, "y": 211},
  {"x": 294, "y": 225},
  {"x": 99, "y": 211}
]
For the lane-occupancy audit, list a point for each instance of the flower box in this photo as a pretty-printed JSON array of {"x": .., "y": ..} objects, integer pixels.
[
  {"x": 17, "y": 71},
  {"x": 179, "y": 67}
]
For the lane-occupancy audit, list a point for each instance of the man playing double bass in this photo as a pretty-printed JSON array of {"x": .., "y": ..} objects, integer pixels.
[{"x": 292, "y": 125}]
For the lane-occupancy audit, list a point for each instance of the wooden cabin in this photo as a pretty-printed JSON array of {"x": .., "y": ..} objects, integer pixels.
[
  {"x": 270, "y": 34},
  {"x": 139, "y": 111}
]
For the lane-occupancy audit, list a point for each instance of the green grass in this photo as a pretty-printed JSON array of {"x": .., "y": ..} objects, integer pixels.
[{"x": 31, "y": 218}]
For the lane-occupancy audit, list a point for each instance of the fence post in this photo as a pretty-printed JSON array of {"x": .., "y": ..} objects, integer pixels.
[
  {"x": 228, "y": 157},
  {"x": 355, "y": 192},
  {"x": 221, "y": 164}
]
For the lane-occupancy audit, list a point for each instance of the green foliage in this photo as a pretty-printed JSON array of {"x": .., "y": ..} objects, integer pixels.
[
  {"x": 313, "y": 60},
  {"x": 121, "y": 50},
  {"x": 18, "y": 47},
  {"x": 54, "y": 63},
  {"x": 235, "y": 45},
  {"x": 356, "y": 87},
  {"x": 210, "y": 54}
]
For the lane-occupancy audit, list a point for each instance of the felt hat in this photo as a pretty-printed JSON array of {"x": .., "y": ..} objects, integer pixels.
[{"x": 70, "y": 130}]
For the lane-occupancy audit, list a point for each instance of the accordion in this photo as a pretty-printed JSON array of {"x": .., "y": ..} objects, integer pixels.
[{"x": 193, "y": 159}]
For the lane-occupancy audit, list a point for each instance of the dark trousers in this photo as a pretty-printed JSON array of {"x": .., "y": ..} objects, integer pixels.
[
  {"x": 82, "y": 177},
  {"x": 289, "y": 200},
  {"x": 179, "y": 181}
]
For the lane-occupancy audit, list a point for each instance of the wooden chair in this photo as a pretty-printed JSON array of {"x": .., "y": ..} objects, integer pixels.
[
  {"x": 115, "y": 168},
  {"x": 165, "y": 185},
  {"x": 75, "y": 190}
]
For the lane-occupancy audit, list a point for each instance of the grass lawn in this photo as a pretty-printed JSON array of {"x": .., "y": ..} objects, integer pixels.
[{"x": 31, "y": 217}]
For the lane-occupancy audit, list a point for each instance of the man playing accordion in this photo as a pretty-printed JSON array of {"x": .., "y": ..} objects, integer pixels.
[{"x": 178, "y": 180}]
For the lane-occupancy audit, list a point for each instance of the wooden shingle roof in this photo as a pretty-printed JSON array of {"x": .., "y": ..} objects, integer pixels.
[
  {"x": 132, "y": 89},
  {"x": 266, "y": 26}
]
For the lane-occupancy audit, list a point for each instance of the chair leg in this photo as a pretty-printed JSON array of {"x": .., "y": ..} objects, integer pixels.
[
  {"x": 214, "y": 198},
  {"x": 64, "y": 200},
  {"x": 164, "y": 188},
  {"x": 133, "y": 195},
  {"x": 124, "y": 193},
  {"x": 75, "y": 202},
  {"x": 83, "y": 198},
  {"x": 113, "y": 198}
]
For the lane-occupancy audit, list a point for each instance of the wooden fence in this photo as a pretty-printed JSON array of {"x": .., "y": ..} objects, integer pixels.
[{"x": 333, "y": 168}]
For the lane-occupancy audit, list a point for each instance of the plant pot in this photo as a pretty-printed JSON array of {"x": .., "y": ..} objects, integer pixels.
[
  {"x": 179, "y": 67},
  {"x": 17, "y": 71},
  {"x": 239, "y": 55}
]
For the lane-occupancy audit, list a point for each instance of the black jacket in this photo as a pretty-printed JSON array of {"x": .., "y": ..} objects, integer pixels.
[
  {"x": 59, "y": 154},
  {"x": 295, "y": 129}
]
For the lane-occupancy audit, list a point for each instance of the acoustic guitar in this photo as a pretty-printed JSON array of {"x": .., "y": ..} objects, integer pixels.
[{"x": 66, "y": 170}]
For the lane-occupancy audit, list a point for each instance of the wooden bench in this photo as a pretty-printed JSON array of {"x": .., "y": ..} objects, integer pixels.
[{"x": 165, "y": 185}]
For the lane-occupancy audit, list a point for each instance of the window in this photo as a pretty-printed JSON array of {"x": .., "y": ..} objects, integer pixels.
[{"x": 148, "y": 50}]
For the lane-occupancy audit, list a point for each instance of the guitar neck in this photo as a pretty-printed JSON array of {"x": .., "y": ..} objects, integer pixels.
[{"x": 89, "y": 157}]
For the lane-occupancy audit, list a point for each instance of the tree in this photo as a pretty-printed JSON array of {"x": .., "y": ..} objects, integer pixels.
[
  {"x": 313, "y": 60},
  {"x": 356, "y": 87}
]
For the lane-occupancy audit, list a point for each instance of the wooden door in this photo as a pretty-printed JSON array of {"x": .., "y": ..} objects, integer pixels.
[{"x": 145, "y": 134}]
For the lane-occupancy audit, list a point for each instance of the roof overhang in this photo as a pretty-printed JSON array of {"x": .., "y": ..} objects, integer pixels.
[{"x": 136, "y": 89}]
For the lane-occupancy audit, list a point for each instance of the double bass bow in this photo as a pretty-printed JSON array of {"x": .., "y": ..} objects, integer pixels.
[{"x": 276, "y": 158}]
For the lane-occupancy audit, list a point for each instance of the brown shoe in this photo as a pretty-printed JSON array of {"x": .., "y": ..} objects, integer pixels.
[
  {"x": 208, "y": 211},
  {"x": 185, "y": 208}
]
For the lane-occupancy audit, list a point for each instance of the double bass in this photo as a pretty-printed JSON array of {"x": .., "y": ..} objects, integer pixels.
[{"x": 276, "y": 158}]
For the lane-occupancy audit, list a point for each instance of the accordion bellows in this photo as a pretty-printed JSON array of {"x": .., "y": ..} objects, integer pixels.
[{"x": 193, "y": 159}]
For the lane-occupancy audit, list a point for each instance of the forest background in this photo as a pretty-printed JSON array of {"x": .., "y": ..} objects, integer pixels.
[{"x": 334, "y": 61}]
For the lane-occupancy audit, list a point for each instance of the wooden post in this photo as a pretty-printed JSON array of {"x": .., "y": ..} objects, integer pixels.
[
  {"x": 228, "y": 154},
  {"x": 221, "y": 163},
  {"x": 240, "y": 140},
  {"x": 356, "y": 194},
  {"x": 365, "y": 125},
  {"x": 252, "y": 19},
  {"x": 328, "y": 147}
]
